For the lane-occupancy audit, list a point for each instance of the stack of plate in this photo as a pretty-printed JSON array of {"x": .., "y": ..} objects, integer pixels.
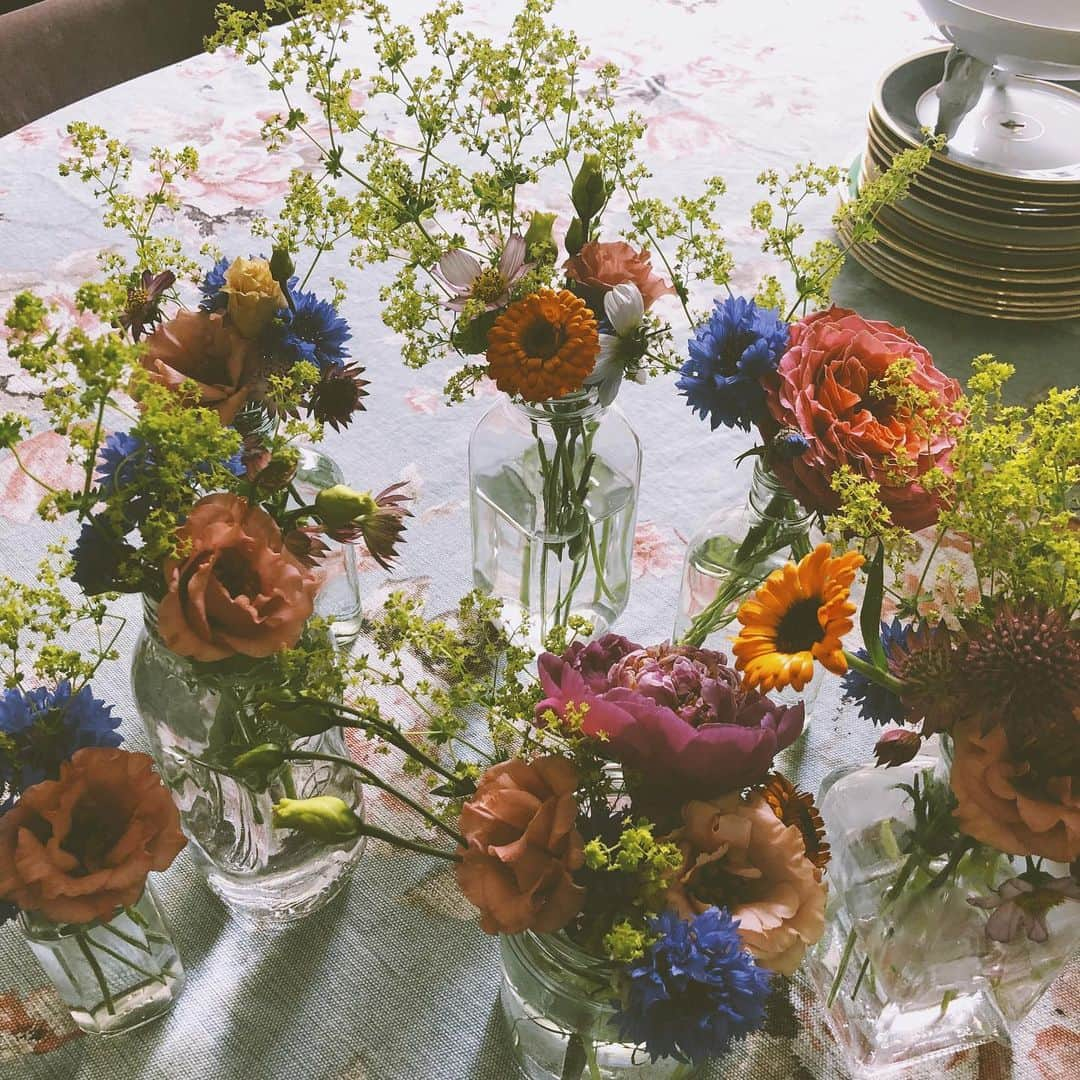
[{"x": 992, "y": 226}]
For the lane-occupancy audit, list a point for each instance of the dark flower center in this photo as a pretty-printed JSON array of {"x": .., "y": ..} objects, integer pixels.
[
  {"x": 542, "y": 339},
  {"x": 732, "y": 351},
  {"x": 715, "y": 883},
  {"x": 235, "y": 574},
  {"x": 97, "y": 824},
  {"x": 799, "y": 629}
]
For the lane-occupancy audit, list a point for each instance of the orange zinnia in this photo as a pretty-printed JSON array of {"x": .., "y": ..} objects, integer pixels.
[
  {"x": 543, "y": 346},
  {"x": 797, "y": 616}
]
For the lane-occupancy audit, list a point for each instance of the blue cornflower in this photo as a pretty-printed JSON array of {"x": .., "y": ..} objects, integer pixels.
[
  {"x": 876, "y": 703},
  {"x": 97, "y": 555},
  {"x": 314, "y": 332},
  {"x": 788, "y": 444},
  {"x": 213, "y": 298},
  {"x": 42, "y": 728},
  {"x": 729, "y": 354},
  {"x": 121, "y": 460},
  {"x": 696, "y": 989}
]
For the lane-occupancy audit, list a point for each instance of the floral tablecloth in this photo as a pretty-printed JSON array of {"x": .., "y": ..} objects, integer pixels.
[{"x": 395, "y": 981}]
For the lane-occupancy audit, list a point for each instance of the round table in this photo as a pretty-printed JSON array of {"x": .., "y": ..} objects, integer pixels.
[{"x": 395, "y": 980}]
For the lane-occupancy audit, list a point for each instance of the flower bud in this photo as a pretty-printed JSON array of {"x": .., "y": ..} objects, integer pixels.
[
  {"x": 589, "y": 192},
  {"x": 575, "y": 237},
  {"x": 282, "y": 266},
  {"x": 897, "y": 747},
  {"x": 277, "y": 473},
  {"x": 340, "y": 505},
  {"x": 323, "y": 817},
  {"x": 539, "y": 233},
  {"x": 302, "y": 718},
  {"x": 266, "y": 756},
  {"x": 789, "y": 443}
]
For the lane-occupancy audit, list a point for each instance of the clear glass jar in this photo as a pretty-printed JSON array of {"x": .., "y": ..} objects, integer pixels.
[
  {"x": 905, "y": 969},
  {"x": 195, "y": 715},
  {"x": 553, "y": 496},
  {"x": 112, "y": 975},
  {"x": 559, "y": 1005},
  {"x": 732, "y": 553},
  {"x": 339, "y": 594}
]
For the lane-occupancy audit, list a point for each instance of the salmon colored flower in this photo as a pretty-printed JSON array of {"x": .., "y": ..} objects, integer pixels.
[
  {"x": 829, "y": 386},
  {"x": 522, "y": 846},
  {"x": 202, "y": 348},
  {"x": 543, "y": 346},
  {"x": 78, "y": 848},
  {"x": 798, "y": 615},
  {"x": 238, "y": 589},
  {"x": 601, "y": 265},
  {"x": 998, "y": 803},
  {"x": 738, "y": 854}
]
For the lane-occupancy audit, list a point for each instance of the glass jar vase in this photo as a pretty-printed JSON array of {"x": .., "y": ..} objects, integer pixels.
[
  {"x": 553, "y": 498},
  {"x": 906, "y": 969},
  {"x": 196, "y": 715},
  {"x": 113, "y": 975},
  {"x": 736, "y": 548},
  {"x": 559, "y": 1006},
  {"x": 339, "y": 594}
]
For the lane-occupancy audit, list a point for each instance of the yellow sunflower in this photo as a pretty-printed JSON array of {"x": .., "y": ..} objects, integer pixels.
[
  {"x": 543, "y": 345},
  {"x": 798, "y": 615}
]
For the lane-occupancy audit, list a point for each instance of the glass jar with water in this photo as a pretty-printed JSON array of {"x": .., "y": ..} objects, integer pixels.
[{"x": 553, "y": 497}]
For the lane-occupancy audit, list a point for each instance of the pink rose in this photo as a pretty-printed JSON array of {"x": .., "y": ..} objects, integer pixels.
[
  {"x": 523, "y": 846},
  {"x": 237, "y": 589},
  {"x": 739, "y": 855},
  {"x": 205, "y": 349},
  {"x": 823, "y": 387},
  {"x": 601, "y": 266}
]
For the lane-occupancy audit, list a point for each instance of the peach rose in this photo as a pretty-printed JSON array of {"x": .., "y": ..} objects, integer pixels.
[
  {"x": 740, "y": 855},
  {"x": 824, "y": 388},
  {"x": 201, "y": 347},
  {"x": 254, "y": 296},
  {"x": 78, "y": 848},
  {"x": 522, "y": 846},
  {"x": 238, "y": 589},
  {"x": 600, "y": 266},
  {"x": 996, "y": 805}
]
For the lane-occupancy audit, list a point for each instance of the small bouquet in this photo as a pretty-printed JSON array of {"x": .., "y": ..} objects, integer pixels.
[
  {"x": 983, "y": 651},
  {"x": 82, "y": 820},
  {"x": 835, "y": 397},
  {"x": 624, "y": 806}
]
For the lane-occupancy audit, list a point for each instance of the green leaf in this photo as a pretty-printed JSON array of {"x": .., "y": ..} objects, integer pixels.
[{"x": 870, "y": 616}]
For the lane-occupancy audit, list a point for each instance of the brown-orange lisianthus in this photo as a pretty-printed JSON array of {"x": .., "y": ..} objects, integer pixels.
[
  {"x": 78, "y": 848},
  {"x": 543, "y": 346},
  {"x": 798, "y": 616}
]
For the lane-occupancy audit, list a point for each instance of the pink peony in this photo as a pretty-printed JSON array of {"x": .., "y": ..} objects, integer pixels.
[
  {"x": 823, "y": 388},
  {"x": 237, "y": 589}
]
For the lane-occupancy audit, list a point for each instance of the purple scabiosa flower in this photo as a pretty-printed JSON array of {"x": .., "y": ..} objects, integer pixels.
[
  {"x": 729, "y": 354},
  {"x": 1020, "y": 905},
  {"x": 877, "y": 704},
  {"x": 43, "y": 727},
  {"x": 310, "y": 330},
  {"x": 143, "y": 308},
  {"x": 695, "y": 991},
  {"x": 213, "y": 298}
]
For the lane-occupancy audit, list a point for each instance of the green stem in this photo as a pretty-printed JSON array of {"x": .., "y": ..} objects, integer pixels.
[
  {"x": 135, "y": 943},
  {"x": 95, "y": 967},
  {"x": 873, "y": 673},
  {"x": 841, "y": 968},
  {"x": 157, "y": 977},
  {"x": 411, "y": 845}
]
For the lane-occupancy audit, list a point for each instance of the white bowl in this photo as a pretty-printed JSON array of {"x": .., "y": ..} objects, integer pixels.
[{"x": 1024, "y": 37}]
